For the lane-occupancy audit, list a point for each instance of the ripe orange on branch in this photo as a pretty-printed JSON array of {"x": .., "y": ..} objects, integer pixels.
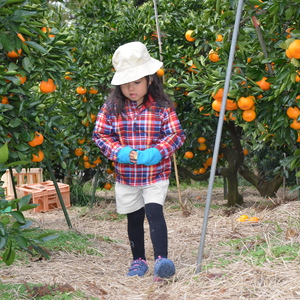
[
  {"x": 249, "y": 115},
  {"x": 201, "y": 140},
  {"x": 160, "y": 72},
  {"x": 218, "y": 95},
  {"x": 37, "y": 140},
  {"x": 14, "y": 54},
  {"x": 246, "y": 103},
  {"x": 213, "y": 56},
  {"x": 294, "y": 49},
  {"x": 188, "y": 36},
  {"x": 293, "y": 112},
  {"x": 47, "y": 86},
  {"x": 263, "y": 84},
  {"x": 80, "y": 90},
  {"x": 295, "y": 124},
  {"x": 189, "y": 154},
  {"x": 39, "y": 157}
]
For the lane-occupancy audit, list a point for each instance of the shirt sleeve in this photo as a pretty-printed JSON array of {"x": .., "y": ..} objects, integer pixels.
[
  {"x": 104, "y": 135},
  {"x": 173, "y": 135}
]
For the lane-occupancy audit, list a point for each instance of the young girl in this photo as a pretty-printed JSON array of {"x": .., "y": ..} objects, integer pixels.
[{"x": 138, "y": 129}]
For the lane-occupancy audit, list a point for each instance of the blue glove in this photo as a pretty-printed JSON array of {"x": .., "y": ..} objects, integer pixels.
[
  {"x": 123, "y": 155},
  {"x": 148, "y": 157}
]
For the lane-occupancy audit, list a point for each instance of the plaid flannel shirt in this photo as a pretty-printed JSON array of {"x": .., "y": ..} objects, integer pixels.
[{"x": 139, "y": 128}]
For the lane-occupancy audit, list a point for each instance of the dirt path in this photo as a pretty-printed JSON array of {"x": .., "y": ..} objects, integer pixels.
[{"x": 228, "y": 272}]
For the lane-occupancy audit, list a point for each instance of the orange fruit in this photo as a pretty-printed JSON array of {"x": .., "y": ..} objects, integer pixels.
[
  {"x": 78, "y": 152},
  {"x": 245, "y": 103},
  {"x": 294, "y": 49},
  {"x": 81, "y": 141},
  {"x": 4, "y": 100},
  {"x": 109, "y": 171},
  {"x": 213, "y": 56},
  {"x": 93, "y": 91},
  {"x": 219, "y": 38},
  {"x": 20, "y": 36},
  {"x": 189, "y": 154},
  {"x": 218, "y": 95},
  {"x": 288, "y": 54},
  {"x": 68, "y": 77},
  {"x": 47, "y": 29},
  {"x": 85, "y": 158},
  {"x": 97, "y": 160},
  {"x": 188, "y": 36},
  {"x": 209, "y": 161},
  {"x": 37, "y": 140},
  {"x": 160, "y": 72},
  {"x": 201, "y": 140},
  {"x": 249, "y": 115},
  {"x": 298, "y": 140},
  {"x": 295, "y": 124},
  {"x": 39, "y": 157},
  {"x": 293, "y": 112},
  {"x": 80, "y": 90},
  {"x": 193, "y": 68},
  {"x": 22, "y": 79},
  {"x": 253, "y": 219},
  {"x": 231, "y": 105},
  {"x": 107, "y": 186},
  {"x": 216, "y": 105},
  {"x": 47, "y": 86},
  {"x": 87, "y": 165},
  {"x": 202, "y": 147},
  {"x": 14, "y": 54},
  {"x": 202, "y": 170},
  {"x": 93, "y": 118},
  {"x": 263, "y": 84},
  {"x": 245, "y": 151}
]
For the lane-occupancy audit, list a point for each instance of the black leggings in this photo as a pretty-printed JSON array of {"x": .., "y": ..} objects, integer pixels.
[{"x": 158, "y": 231}]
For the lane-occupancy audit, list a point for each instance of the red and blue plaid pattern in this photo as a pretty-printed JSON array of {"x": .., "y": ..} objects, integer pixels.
[{"x": 139, "y": 128}]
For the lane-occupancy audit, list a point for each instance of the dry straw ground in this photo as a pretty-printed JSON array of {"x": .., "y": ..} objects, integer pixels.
[{"x": 229, "y": 268}]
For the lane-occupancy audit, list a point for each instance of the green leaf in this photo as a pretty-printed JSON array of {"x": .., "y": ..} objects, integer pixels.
[
  {"x": 27, "y": 65},
  {"x": 22, "y": 241},
  {"x": 24, "y": 200},
  {"x": 36, "y": 46},
  {"x": 3, "y": 154},
  {"x": 15, "y": 122},
  {"x": 29, "y": 206},
  {"x": 9, "y": 255},
  {"x": 18, "y": 216},
  {"x": 41, "y": 251}
]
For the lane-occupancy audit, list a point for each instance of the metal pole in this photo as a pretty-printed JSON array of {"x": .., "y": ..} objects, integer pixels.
[{"x": 219, "y": 132}]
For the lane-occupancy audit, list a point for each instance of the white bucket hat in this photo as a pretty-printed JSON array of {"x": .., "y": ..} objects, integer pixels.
[{"x": 132, "y": 62}]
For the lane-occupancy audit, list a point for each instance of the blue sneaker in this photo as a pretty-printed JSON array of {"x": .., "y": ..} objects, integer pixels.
[
  {"x": 163, "y": 268},
  {"x": 138, "y": 267}
]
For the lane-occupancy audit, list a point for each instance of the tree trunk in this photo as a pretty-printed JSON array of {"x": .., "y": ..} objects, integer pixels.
[{"x": 265, "y": 187}]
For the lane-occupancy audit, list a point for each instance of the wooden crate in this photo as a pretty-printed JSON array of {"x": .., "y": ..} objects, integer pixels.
[
  {"x": 45, "y": 194},
  {"x": 25, "y": 176}
]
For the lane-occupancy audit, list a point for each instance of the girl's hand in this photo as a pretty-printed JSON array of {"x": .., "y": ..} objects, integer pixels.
[{"x": 133, "y": 157}]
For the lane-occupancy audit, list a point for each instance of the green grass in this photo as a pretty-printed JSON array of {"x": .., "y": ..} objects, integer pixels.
[
  {"x": 40, "y": 292},
  {"x": 258, "y": 251},
  {"x": 68, "y": 241}
]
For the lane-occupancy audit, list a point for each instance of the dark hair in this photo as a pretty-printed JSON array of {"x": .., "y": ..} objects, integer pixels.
[{"x": 116, "y": 100}]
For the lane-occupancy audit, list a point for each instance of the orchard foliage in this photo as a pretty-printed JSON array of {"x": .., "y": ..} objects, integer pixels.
[{"x": 75, "y": 50}]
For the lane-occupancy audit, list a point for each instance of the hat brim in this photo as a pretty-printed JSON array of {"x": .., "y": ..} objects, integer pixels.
[{"x": 135, "y": 73}]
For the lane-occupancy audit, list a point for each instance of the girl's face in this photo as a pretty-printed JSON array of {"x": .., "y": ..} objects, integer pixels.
[{"x": 135, "y": 90}]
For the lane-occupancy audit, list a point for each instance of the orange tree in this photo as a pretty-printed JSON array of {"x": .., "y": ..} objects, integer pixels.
[
  {"x": 35, "y": 54},
  {"x": 269, "y": 80},
  {"x": 264, "y": 84}
]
